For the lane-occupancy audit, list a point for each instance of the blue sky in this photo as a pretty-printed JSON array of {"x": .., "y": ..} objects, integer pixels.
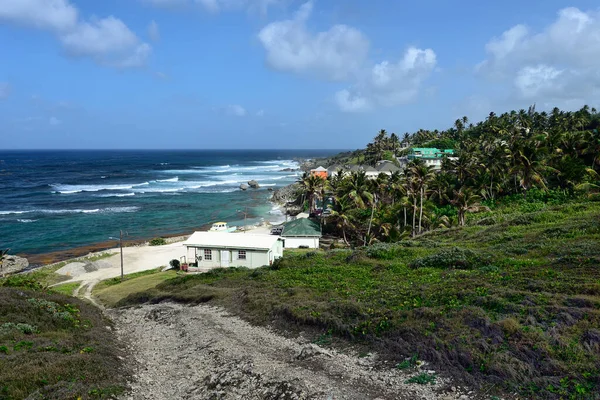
[{"x": 281, "y": 73}]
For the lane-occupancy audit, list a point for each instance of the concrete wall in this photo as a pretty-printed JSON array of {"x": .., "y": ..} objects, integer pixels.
[
  {"x": 295, "y": 242},
  {"x": 254, "y": 258}
]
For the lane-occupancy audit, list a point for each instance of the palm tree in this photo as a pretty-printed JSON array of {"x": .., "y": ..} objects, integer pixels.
[
  {"x": 465, "y": 201},
  {"x": 342, "y": 220},
  {"x": 311, "y": 185},
  {"x": 529, "y": 168},
  {"x": 592, "y": 139},
  {"x": 421, "y": 175},
  {"x": 355, "y": 189}
]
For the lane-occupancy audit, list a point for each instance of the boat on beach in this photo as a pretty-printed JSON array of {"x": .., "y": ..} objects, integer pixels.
[{"x": 222, "y": 227}]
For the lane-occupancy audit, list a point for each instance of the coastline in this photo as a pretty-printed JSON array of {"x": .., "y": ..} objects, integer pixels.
[{"x": 48, "y": 258}]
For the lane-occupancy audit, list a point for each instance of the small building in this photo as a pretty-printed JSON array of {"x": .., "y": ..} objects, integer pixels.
[
  {"x": 370, "y": 172},
  {"x": 332, "y": 170},
  {"x": 301, "y": 233},
  {"x": 321, "y": 172},
  {"x": 221, "y": 249},
  {"x": 388, "y": 168},
  {"x": 431, "y": 156}
]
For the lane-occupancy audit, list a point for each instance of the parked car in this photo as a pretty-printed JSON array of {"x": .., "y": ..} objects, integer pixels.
[{"x": 276, "y": 230}]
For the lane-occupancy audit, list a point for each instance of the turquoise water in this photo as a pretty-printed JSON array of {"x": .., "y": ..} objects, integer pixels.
[{"x": 59, "y": 200}]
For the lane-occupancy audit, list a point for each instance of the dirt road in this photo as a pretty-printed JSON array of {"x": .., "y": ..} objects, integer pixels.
[{"x": 201, "y": 352}]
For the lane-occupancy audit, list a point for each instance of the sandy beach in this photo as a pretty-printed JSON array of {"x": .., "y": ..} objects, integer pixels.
[{"x": 135, "y": 259}]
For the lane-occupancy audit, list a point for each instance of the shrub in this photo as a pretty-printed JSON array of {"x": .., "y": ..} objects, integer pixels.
[
  {"x": 23, "y": 328},
  {"x": 157, "y": 242},
  {"x": 175, "y": 264},
  {"x": 455, "y": 258},
  {"x": 486, "y": 221},
  {"x": 385, "y": 251},
  {"x": 23, "y": 281},
  {"x": 422, "y": 379},
  {"x": 410, "y": 362}
]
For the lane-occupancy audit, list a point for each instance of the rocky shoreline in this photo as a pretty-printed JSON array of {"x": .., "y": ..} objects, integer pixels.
[
  {"x": 286, "y": 198},
  {"x": 13, "y": 264}
]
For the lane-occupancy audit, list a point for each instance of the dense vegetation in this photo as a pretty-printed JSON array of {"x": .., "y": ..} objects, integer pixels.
[
  {"x": 523, "y": 153},
  {"x": 54, "y": 346},
  {"x": 509, "y": 302}
]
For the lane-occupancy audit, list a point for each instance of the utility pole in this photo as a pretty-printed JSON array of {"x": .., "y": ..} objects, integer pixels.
[
  {"x": 121, "y": 246},
  {"x": 245, "y": 217},
  {"x": 120, "y": 239}
]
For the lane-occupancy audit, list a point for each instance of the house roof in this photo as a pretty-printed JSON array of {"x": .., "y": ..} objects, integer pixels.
[
  {"x": 231, "y": 240},
  {"x": 320, "y": 169},
  {"x": 430, "y": 152},
  {"x": 354, "y": 167},
  {"x": 368, "y": 168},
  {"x": 388, "y": 167},
  {"x": 301, "y": 227}
]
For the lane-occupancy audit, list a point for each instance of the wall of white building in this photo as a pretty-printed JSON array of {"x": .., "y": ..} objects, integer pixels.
[
  {"x": 231, "y": 257},
  {"x": 296, "y": 242}
]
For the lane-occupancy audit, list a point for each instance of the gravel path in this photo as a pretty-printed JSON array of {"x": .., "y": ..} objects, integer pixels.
[{"x": 202, "y": 352}]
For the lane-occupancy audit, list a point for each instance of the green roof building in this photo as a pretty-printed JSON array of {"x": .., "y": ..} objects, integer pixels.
[
  {"x": 430, "y": 155},
  {"x": 301, "y": 233}
]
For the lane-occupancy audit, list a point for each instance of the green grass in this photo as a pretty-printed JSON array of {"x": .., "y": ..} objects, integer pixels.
[
  {"x": 66, "y": 288},
  {"x": 513, "y": 302},
  {"x": 56, "y": 347},
  {"x": 110, "y": 292}
]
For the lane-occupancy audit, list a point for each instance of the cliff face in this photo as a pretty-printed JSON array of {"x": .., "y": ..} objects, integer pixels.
[
  {"x": 286, "y": 194},
  {"x": 12, "y": 264}
]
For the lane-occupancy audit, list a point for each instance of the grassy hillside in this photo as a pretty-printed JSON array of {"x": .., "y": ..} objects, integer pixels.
[
  {"x": 511, "y": 302},
  {"x": 54, "y": 346}
]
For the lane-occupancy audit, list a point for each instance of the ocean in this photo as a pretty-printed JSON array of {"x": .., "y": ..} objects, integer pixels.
[{"x": 54, "y": 201}]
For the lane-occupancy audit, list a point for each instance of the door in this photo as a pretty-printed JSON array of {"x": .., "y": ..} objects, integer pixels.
[{"x": 224, "y": 258}]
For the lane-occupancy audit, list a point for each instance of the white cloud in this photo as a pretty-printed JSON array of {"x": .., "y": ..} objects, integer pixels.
[
  {"x": 260, "y": 113},
  {"x": 389, "y": 84},
  {"x": 341, "y": 54},
  {"x": 559, "y": 62},
  {"x": 108, "y": 41},
  {"x": 58, "y": 15},
  {"x": 236, "y": 110},
  {"x": 53, "y": 121},
  {"x": 348, "y": 102},
  {"x": 4, "y": 90},
  {"x": 153, "y": 31},
  {"x": 337, "y": 53}
]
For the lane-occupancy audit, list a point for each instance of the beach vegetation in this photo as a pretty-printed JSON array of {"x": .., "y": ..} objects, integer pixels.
[{"x": 157, "y": 242}]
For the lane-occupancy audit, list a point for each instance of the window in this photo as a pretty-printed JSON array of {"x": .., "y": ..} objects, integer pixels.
[
  {"x": 242, "y": 255},
  {"x": 207, "y": 255}
]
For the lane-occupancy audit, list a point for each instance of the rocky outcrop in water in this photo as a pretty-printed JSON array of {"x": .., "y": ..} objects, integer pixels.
[
  {"x": 13, "y": 264},
  {"x": 243, "y": 186},
  {"x": 253, "y": 184}
]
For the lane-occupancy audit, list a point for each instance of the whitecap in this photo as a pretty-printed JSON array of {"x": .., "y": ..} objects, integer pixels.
[
  {"x": 117, "y": 195},
  {"x": 27, "y": 221},
  {"x": 12, "y": 212},
  {"x": 176, "y": 179}
]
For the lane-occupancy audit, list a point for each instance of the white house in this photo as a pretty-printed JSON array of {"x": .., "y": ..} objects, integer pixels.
[
  {"x": 219, "y": 249},
  {"x": 301, "y": 233}
]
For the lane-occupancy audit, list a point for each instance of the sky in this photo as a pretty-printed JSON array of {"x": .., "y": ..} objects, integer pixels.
[{"x": 236, "y": 74}]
